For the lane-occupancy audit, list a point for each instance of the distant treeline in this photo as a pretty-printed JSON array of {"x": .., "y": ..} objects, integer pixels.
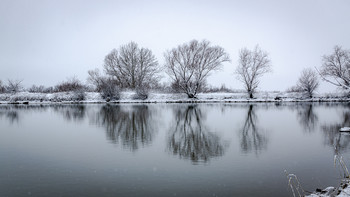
[{"x": 188, "y": 66}]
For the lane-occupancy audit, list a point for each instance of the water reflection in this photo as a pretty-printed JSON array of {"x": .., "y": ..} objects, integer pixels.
[
  {"x": 334, "y": 138},
  {"x": 190, "y": 138},
  {"x": 252, "y": 139},
  {"x": 307, "y": 117},
  {"x": 12, "y": 112},
  {"x": 132, "y": 126},
  {"x": 76, "y": 113}
]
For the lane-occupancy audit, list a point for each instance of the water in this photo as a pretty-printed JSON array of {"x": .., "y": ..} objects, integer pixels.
[{"x": 169, "y": 149}]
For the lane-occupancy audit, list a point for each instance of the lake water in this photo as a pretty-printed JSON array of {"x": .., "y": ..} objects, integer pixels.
[{"x": 169, "y": 149}]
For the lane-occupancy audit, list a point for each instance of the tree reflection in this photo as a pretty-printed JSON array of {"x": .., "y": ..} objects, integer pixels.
[
  {"x": 131, "y": 126},
  {"x": 340, "y": 141},
  {"x": 307, "y": 117},
  {"x": 251, "y": 138},
  {"x": 75, "y": 113},
  {"x": 11, "y": 115},
  {"x": 189, "y": 137},
  {"x": 12, "y": 112}
]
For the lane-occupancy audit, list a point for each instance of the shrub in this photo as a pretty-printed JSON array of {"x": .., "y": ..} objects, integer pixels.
[
  {"x": 36, "y": 89},
  {"x": 78, "y": 95},
  {"x": 72, "y": 84},
  {"x": 13, "y": 86},
  {"x": 109, "y": 91},
  {"x": 141, "y": 93}
]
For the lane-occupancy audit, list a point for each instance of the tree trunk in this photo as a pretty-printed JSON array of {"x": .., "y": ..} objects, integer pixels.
[{"x": 251, "y": 95}]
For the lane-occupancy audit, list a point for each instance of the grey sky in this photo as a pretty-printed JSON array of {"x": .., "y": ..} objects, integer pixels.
[{"x": 44, "y": 42}]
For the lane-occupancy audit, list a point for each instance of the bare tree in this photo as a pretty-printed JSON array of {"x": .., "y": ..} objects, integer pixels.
[
  {"x": 251, "y": 66},
  {"x": 2, "y": 87},
  {"x": 336, "y": 68},
  {"x": 71, "y": 84},
  {"x": 190, "y": 64},
  {"x": 36, "y": 89},
  {"x": 14, "y": 86},
  {"x": 96, "y": 79},
  {"x": 132, "y": 67},
  {"x": 106, "y": 86},
  {"x": 308, "y": 81}
]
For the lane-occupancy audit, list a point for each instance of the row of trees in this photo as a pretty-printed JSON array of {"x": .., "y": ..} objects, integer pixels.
[
  {"x": 189, "y": 65},
  {"x": 71, "y": 84}
]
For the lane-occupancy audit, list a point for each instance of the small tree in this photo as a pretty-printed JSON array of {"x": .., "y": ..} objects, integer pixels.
[
  {"x": 95, "y": 78},
  {"x": 252, "y": 65},
  {"x": 72, "y": 84},
  {"x": 132, "y": 67},
  {"x": 2, "y": 87},
  {"x": 190, "y": 64},
  {"x": 37, "y": 89},
  {"x": 106, "y": 86},
  {"x": 14, "y": 86},
  {"x": 336, "y": 68},
  {"x": 308, "y": 81}
]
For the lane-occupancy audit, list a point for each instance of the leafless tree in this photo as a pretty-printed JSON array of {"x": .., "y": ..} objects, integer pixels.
[
  {"x": 2, "y": 87},
  {"x": 37, "y": 89},
  {"x": 190, "y": 64},
  {"x": 71, "y": 84},
  {"x": 336, "y": 68},
  {"x": 252, "y": 65},
  {"x": 14, "y": 86},
  {"x": 106, "y": 86},
  {"x": 95, "y": 78},
  {"x": 308, "y": 81},
  {"x": 132, "y": 67}
]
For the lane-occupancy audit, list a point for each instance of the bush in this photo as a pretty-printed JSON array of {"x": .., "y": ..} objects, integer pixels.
[
  {"x": 141, "y": 93},
  {"x": 13, "y": 86},
  {"x": 36, "y": 89},
  {"x": 294, "y": 89},
  {"x": 72, "y": 84},
  {"x": 109, "y": 91},
  {"x": 78, "y": 95}
]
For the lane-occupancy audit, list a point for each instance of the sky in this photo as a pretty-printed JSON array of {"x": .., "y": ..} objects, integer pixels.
[{"x": 45, "y": 42}]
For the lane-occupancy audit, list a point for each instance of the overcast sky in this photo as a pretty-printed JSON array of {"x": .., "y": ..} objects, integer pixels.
[{"x": 45, "y": 42}]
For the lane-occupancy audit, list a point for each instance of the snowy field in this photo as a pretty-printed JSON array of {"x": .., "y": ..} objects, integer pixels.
[{"x": 156, "y": 97}]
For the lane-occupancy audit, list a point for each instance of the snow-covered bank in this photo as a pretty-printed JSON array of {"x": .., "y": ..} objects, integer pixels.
[
  {"x": 341, "y": 191},
  {"x": 156, "y": 97}
]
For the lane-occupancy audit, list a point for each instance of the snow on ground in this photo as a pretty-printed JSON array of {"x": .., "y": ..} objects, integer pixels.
[
  {"x": 153, "y": 97},
  {"x": 342, "y": 191}
]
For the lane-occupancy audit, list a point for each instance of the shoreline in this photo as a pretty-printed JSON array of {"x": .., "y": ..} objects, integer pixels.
[{"x": 128, "y": 97}]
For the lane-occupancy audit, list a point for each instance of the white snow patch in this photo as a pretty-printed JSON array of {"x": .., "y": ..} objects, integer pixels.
[
  {"x": 345, "y": 129},
  {"x": 157, "y": 97}
]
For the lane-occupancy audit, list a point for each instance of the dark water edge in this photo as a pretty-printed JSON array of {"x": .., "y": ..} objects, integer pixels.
[{"x": 169, "y": 149}]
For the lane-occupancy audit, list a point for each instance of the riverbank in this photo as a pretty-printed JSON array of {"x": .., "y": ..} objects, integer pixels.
[{"x": 156, "y": 97}]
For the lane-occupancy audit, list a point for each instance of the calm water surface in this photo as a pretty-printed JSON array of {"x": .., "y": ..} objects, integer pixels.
[{"x": 169, "y": 149}]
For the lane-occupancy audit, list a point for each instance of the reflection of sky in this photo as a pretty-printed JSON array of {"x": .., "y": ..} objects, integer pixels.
[{"x": 74, "y": 150}]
